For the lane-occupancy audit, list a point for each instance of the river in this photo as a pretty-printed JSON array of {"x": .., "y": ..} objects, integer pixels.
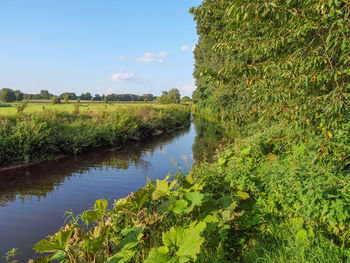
[{"x": 33, "y": 200}]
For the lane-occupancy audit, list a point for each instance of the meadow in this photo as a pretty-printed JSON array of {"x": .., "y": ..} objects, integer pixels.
[
  {"x": 8, "y": 109},
  {"x": 41, "y": 131}
]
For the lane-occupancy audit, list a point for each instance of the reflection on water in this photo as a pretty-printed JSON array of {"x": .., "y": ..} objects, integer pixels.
[
  {"x": 33, "y": 199},
  {"x": 41, "y": 179},
  {"x": 208, "y": 137}
]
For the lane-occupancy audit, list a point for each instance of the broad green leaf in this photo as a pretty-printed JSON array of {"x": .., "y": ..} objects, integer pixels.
[
  {"x": 44, "y": 246},
  {"x": 139, "y": 199},
  {"x": 90, "y": 216},
  {"x": 124, "y": 256},
  {"x": 63, "y": 236},
  {"x": 190, "y": 243},
  {"x": 195, "y": 198},
  {"x": 172, "y": 237},
  {"x": 163, "y": 188},
  {"x": 180, "y": 206},
  {"x": 158, "y": 255},
  {"x": 225, "y": 202},
  {"x": 132, "y": 237},
  {"x": 186, "y": 242}
]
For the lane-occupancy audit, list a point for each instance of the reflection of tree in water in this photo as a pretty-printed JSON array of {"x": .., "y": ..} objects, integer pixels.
[
  {"x": 207, "y": 140},
  {"x": 39, "y": 180}
]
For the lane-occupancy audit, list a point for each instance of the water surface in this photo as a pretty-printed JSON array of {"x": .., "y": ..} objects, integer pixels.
[{"x": 33, "y": 200}]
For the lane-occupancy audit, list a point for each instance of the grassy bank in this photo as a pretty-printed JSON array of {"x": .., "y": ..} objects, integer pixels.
[
  {"x": 43, "y": 134},
  {"x": 271, "y": 196}
]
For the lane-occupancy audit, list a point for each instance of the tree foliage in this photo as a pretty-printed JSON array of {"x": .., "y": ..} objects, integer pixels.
[
  {"x": 7, "y": 95},
  {"x": 273, "y": 59},
  {"x": 171, "y": 96}
]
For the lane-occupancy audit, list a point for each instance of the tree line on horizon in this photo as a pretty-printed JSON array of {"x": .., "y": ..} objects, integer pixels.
[{"x": 9, "y": 95}]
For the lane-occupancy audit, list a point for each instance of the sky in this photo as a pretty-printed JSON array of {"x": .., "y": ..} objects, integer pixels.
[{"x": 97, "y": 46}]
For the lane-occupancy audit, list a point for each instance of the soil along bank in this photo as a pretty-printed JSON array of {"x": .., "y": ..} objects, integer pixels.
[{"x": 42, "y": 136}]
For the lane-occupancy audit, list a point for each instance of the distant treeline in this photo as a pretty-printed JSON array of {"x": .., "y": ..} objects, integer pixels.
[
  {"x": 8, "y": 95},
  {"x": 44, "y": 94},
  {"x": 171, "y": 96}
]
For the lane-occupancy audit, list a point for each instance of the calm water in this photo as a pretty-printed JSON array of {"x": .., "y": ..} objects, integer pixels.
[{"x": 33, "y": 200}]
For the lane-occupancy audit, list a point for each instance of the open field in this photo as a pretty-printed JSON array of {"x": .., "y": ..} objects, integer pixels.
[{"x": 9, "y": 109}]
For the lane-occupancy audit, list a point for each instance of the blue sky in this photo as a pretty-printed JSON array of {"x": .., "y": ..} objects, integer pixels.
[{"x": 97, "y": 46}]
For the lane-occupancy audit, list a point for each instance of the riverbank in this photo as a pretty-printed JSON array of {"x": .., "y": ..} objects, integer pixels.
[
  {"x": 261, "y": 199},
  {"x": 39, "y": 136}
]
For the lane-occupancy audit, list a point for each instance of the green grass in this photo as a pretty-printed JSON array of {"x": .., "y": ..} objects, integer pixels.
[{"x": 86, "y": 106}]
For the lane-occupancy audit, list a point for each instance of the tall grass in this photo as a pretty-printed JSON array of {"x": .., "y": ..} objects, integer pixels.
[{"x": 42, "y": 135}]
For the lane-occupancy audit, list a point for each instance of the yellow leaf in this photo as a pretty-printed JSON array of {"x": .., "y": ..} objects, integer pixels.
[
  {"x": 250, "y": 82},
  {"x": 291, "y": 117},
  {"x": 339, "y": 73},
  {"x": 247, "y": 82},
  {"x": 330, "y": 135}
]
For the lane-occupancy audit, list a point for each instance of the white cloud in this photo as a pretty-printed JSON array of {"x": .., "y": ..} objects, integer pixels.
[
  {"x": 185, "y": 48},
  {"x": 123, "y": 57},
  {"x": 127, "y": 77},
  {"x": 193, "y": 48},
  {"x": 188, "y": 88},
  {"x": 148, "y": 57}
]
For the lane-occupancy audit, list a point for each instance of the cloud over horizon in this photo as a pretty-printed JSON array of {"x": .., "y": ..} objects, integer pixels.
[
  {"x": 148, "y": 57},
  {"x": 127, "y": 77}
]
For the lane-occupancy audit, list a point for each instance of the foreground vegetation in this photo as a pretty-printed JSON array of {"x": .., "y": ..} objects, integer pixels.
[{"x": 41, "y": 135}]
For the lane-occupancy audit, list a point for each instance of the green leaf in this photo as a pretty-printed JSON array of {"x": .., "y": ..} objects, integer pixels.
[
  {"x": 163, "y": 188},
  {"x": 245, "y": 152},
  {"x": 243, "y": 195},
  {"x": 225, "y": 202},
  {"x": 132, "y": 237},
  {"x": 190, "y": 243},
  {"x": 44, "y": 246},
  {"x": 196, "y": 198},
  {"x": 100, "y": 206},
  {"x": 90, "y": 216},
  {"x": 139, "y": 199},
  {"x": 158, "y": 255},
  {"x": 180, "y": 206},
  {"x": 59, "y": 255},
  {"x": 186, "y": 242},
  {"x": 63, "y": 238},
  {"x": 124, "y": 256}
]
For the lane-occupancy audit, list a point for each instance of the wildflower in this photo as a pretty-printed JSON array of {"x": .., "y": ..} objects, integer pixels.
[
  {"x": 313, "y": 79},
  {"x": 330, "y": 135}
]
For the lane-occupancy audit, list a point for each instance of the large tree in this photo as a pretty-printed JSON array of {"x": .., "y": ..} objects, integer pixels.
[
  {"x": 7, "y": 95},
  {"x": 174, "y": 95}
]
